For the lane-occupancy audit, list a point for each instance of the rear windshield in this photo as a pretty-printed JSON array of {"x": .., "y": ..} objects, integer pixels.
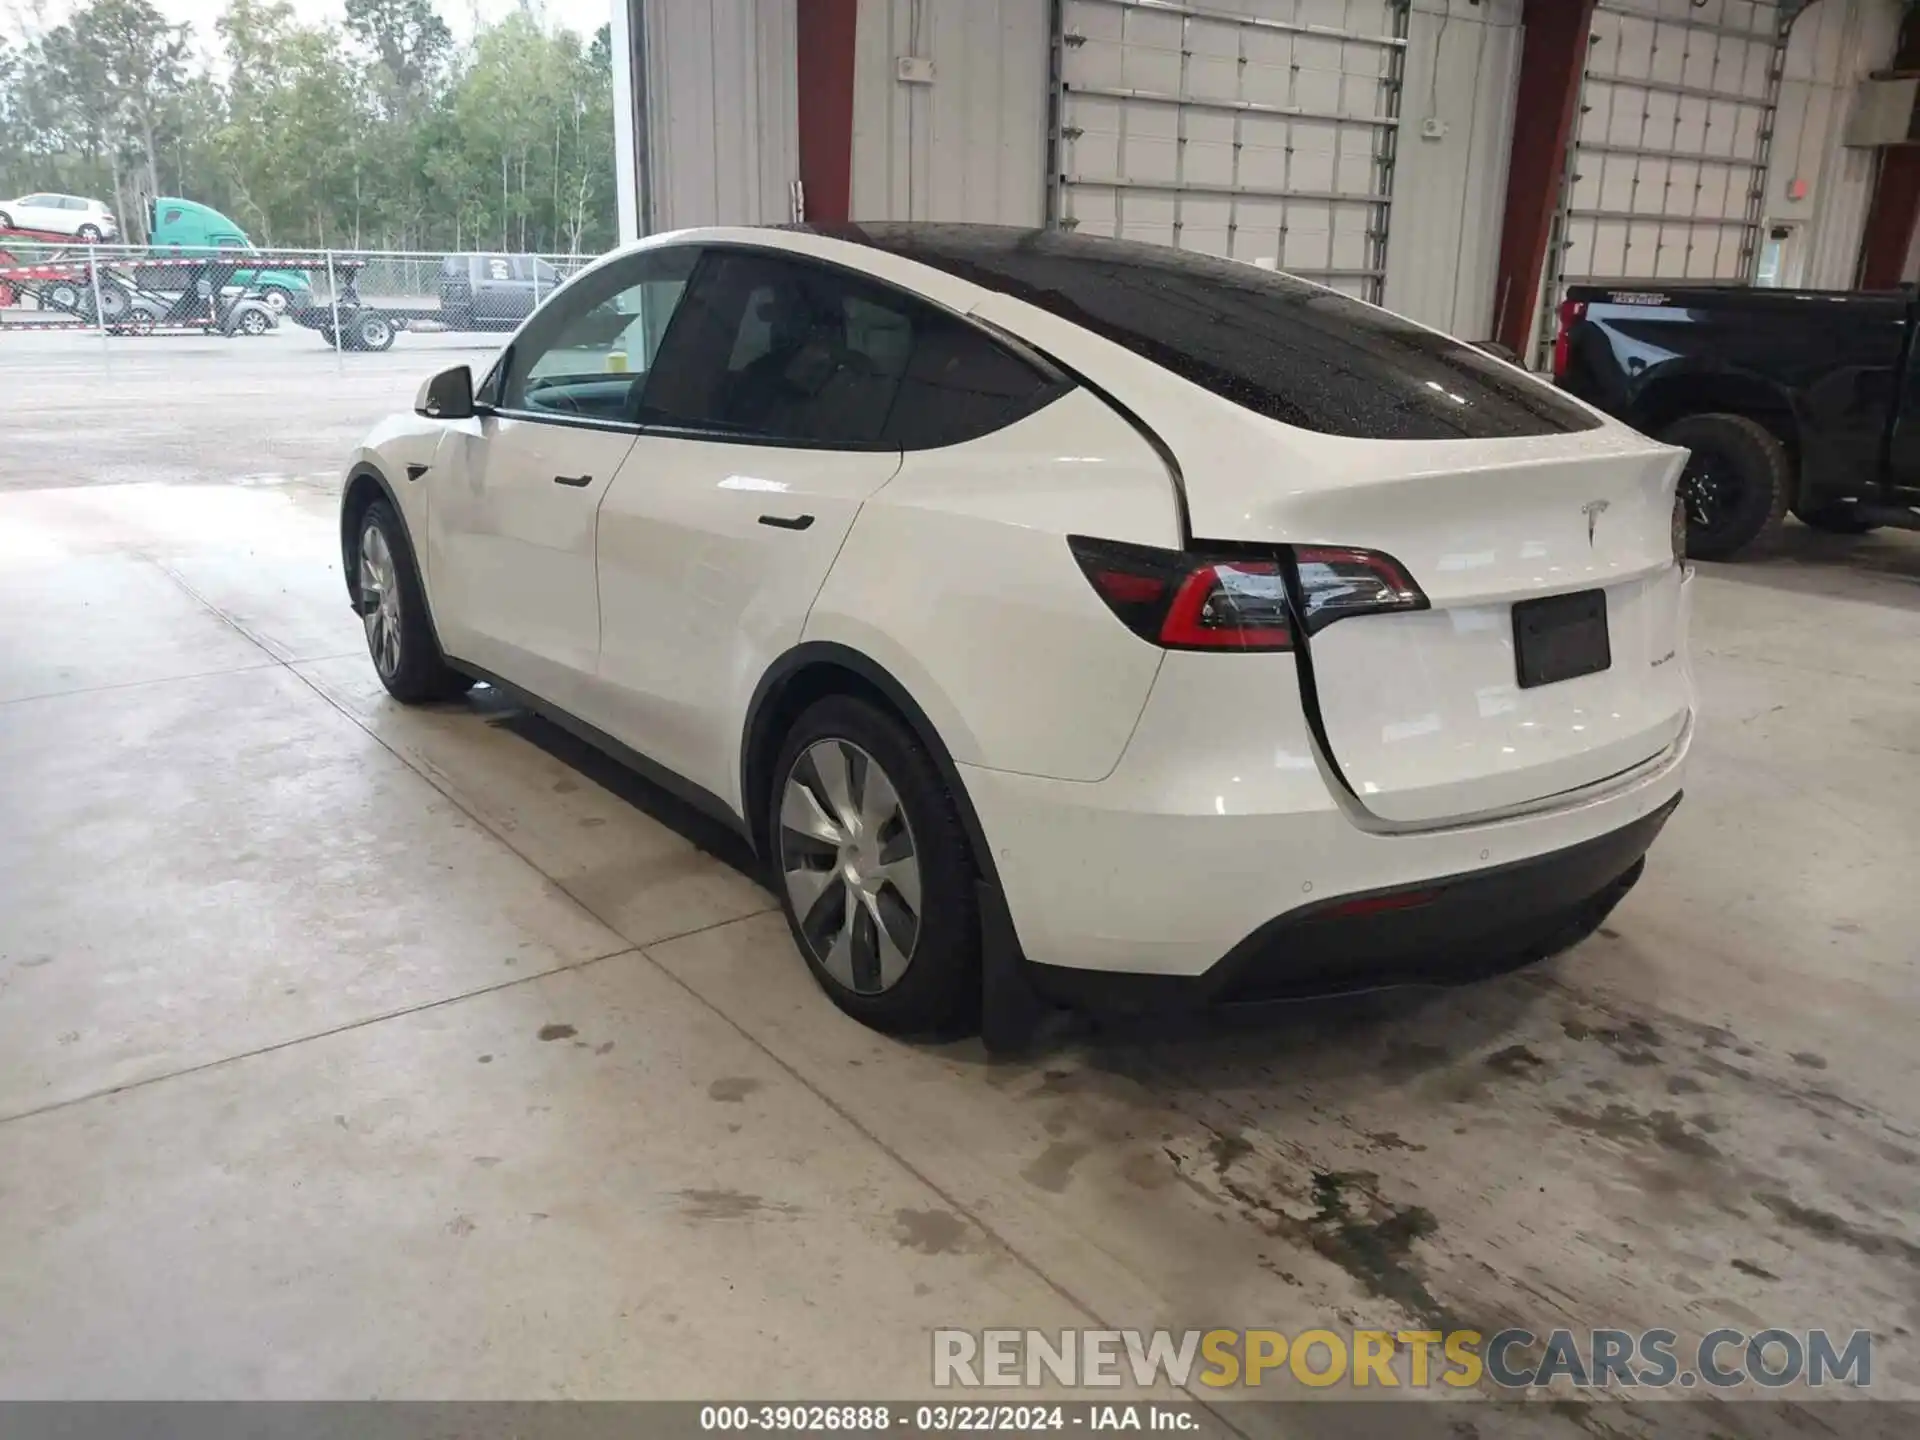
[{"x": 1282, "y": 348}]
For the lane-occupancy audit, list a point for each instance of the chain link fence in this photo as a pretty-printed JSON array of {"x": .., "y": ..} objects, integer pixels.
[{"x": 354, "y": 301}]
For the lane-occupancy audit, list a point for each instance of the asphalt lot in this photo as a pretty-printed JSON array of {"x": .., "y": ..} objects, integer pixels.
[{"x": 80, "y": 409}]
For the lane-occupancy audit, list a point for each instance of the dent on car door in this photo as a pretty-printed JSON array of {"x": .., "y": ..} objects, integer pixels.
[{"x": 514, "y": 524}]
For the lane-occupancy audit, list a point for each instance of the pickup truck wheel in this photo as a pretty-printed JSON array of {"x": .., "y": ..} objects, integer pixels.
[
  {"x": 1840, "y": 519},
  {"x": 1734, "y": 486}
]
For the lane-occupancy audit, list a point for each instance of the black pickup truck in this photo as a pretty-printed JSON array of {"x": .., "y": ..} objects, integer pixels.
[{"x": 1801, "y": 400}]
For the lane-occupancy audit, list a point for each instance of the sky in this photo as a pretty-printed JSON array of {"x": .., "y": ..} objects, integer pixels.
[{"x": 585, "y": 16}]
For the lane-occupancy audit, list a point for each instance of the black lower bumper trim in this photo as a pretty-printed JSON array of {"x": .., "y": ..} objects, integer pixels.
[{"x": 1437, "y": 932}]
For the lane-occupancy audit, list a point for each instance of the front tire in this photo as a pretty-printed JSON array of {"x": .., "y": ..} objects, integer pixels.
[
  {"x": 393, "y": 611},
  {"x": 88, "y": 234},
  {"x": 276, "y": 299},
  {"x": 874, "y": 871},
  {"x": 1735, "y": 484}
]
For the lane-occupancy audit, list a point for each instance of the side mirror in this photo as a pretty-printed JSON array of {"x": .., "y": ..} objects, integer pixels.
[{"x": 447, "y": 396}]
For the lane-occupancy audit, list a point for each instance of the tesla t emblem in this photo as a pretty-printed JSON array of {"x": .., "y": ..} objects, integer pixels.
[{"x": 1593, "y": 510}]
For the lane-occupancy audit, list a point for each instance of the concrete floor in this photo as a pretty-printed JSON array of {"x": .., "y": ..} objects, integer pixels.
[{"x": 348, "y": 1050}]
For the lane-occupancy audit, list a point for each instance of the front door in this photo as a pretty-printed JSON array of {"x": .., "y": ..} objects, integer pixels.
[{"x": 514, "y": 514}]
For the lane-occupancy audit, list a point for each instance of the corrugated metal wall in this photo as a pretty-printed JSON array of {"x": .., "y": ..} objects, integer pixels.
[
  {"x": 970, "y": 146},
  {"x": 720, "y": 110},
  {"x": 1462, "y": 67},
  {"x": 1835, "y": 45}
]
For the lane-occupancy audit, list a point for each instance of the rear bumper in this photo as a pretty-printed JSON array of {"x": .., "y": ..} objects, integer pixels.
[
  {"x": 1221, "y": 821},
  {"x": 1441, "y": 932}
]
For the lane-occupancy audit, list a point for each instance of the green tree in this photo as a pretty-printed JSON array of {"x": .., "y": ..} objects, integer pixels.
[{"x": 386, "y": 133}]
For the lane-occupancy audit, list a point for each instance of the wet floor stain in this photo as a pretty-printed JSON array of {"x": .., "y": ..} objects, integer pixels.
[
  {"x": 460, "y": 1226},
  {"x": 930, "y": 1232},
  {"x": 1514, "y": 1060},
  {"x": 1053, "y": 1169},
  {"x": 1824, "y": 1225},
  {"x": 732, "y": 1089},
  {"x": 557, "y": 1032},
  {"x": 729, "y": 1205}
]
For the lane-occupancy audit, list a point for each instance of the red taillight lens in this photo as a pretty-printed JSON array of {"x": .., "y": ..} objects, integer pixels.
[
  {"x": 1572, "y": 312},
  {"x": 1336, "y": 583},
  {"x": 1190, "y": 602},
  {"x": 1185, "y": 601}
]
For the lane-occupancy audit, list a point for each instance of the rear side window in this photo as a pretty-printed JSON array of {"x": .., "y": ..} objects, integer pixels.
[
  {"x": 1280, "y": 347},
  {"x": 775, "y": 349}
]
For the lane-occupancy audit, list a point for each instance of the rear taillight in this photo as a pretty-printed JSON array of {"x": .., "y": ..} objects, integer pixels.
[
  {"x": 1572, "y": 312},
  {"x": 1184, "y": 600},
  {"x": 1338, "y": 583}
]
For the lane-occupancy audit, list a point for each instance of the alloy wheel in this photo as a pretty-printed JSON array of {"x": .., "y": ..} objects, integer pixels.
[
  {"x": 848, "y": 861},
  {"x": 380, "y": 601},
  {"x": 1709, "y": 490}
]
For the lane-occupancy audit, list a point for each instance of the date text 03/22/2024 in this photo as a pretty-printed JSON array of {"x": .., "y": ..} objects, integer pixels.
[{"x": 941, "y": 1419}]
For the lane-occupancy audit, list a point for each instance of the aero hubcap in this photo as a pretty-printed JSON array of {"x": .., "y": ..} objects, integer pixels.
[
  {"x": 851, "y": 871},
  {"x": 379, "y": 601}
]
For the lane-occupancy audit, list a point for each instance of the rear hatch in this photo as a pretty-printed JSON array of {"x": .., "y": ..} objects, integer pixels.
[
  {"x": 1496, "y": 694},
  {"x": 1295, "y": 416}
]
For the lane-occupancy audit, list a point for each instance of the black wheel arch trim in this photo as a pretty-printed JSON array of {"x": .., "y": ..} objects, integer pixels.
[
  {"x": 367, "y": 470},
  {"x": 811, "y": 653}
]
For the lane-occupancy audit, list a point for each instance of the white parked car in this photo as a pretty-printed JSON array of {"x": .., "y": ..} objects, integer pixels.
[
  {"x": 1167, "y": 628},
  {"x": 73, "y": 215}
]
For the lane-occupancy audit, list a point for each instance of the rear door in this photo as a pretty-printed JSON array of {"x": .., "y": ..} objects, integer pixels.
[{"x": 767, "y": 427}]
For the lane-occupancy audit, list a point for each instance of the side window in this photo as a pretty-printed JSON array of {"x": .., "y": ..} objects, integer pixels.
[
  {"x": 172, "y": 218},
  {"x": 780, "y": 349},
  {"x": 589, "y": 351},
  {"x": 777, "y": 349},
  {"x": 961, "y": 384}
]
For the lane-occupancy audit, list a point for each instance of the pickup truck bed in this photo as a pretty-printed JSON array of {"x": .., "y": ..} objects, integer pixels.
[{"x": 1791, "y": 400}]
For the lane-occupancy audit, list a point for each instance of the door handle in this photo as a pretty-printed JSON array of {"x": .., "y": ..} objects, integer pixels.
[
  {"x": 577, "y": 482},
  {"x": 787, "y": 522}
]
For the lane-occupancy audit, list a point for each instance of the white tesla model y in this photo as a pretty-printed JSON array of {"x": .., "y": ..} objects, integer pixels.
[{"x": 1164, "y": 627}]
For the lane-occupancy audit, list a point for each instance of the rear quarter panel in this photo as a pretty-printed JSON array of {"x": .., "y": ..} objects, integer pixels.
[{"x": 957, "y": 579}]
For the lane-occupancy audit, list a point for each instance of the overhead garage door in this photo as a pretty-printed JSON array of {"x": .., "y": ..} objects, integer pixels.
[
  {"x": 1667, "y": 175},
  {"x": 1263, "y": 130}
]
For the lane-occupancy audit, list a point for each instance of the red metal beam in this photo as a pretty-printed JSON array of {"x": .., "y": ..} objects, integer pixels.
[
  {"x": 826, "y": 30},
  {"x": 1553, "y": 53},
  {"x": 1896, "y": 191}
]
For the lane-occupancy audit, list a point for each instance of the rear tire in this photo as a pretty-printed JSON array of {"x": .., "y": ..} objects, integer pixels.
[
  {"x": 372, "y": 332},
  {"x": 6, "y": 221},
  {"x": 393, "y": 609},
  {"x": 1839, "y": 519},
  {"x": 1735, "y": 484},
  {"x": 873, "y": 806}
]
